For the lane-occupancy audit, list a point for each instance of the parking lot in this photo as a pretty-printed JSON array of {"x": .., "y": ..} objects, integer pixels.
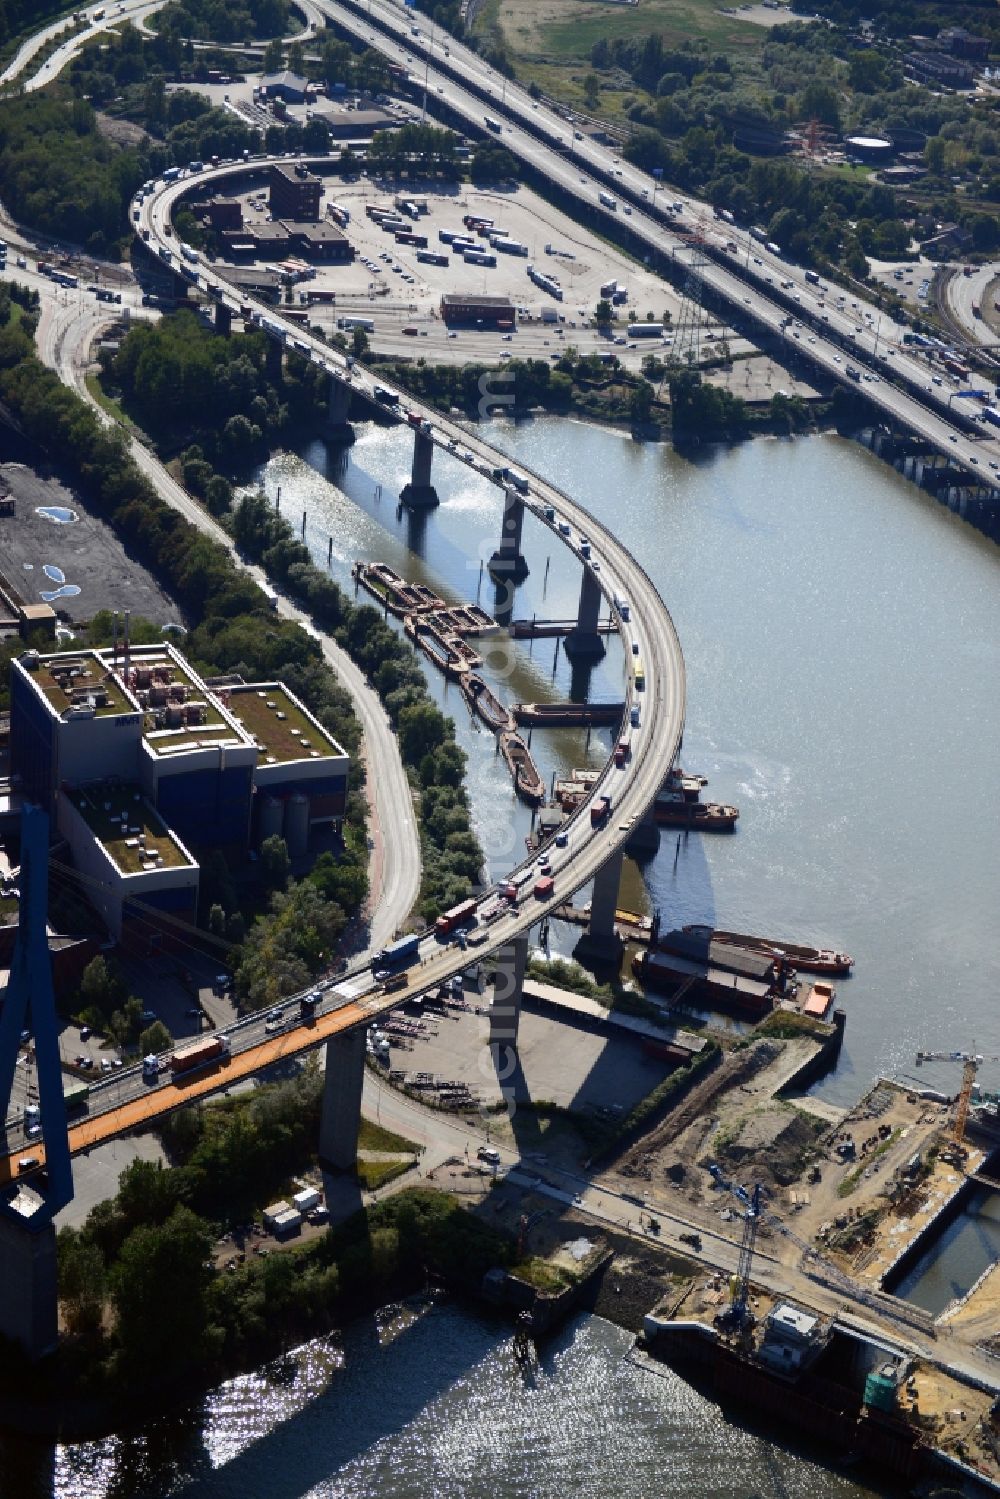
[{"x": 389, "y": 285}]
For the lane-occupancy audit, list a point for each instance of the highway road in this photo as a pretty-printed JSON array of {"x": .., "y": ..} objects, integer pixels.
[
  {"x": 964, "y": 293},
  {"x": 855, "y": 333},
  {"x": 129, "y": 1100}
]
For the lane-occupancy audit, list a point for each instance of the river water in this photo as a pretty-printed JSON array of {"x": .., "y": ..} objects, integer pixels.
[
  {"x": 439, "y": 1411},
  {"x": 841, "y": 634},
  {"x": 842, "y": 640}
]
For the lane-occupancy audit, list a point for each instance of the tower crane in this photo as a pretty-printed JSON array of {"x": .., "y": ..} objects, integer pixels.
[
  {"x": 971, "y": 1062},
  {"x": 754, "y": 1216}
]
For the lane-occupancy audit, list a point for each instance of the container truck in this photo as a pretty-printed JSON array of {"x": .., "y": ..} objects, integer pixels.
[
  {"x": 812, "y": 277},
  {"x": 492, "y": 124},
  {"x": 199, "y": 1054},
  {"x": 600, "y": 811},
  {"x": 458, "y": 916},
  {"x": 545, "y": 887},
  {"x": 608, "y": 201},
  {"x": 75, "y": 1094},
  {"x": 992, "y": 415},
  {"x": 397, "y": 953}
]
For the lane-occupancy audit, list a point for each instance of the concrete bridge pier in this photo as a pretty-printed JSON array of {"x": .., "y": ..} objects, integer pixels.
[
  {"x": 420, "y": 492},
  {"x": 601, "y": 943},
  {"x": 272, "y": 360},
  {"x": 28, "y": 1306},
  {"x": 644, "y": 839},
  {"x": 223, "y": 319},
  {"x": 338, "y": 405},
  {"x": 504, "y": 1014},
  {"x": 584, "y": 639},
  {"x": 341, "y": 1117},
  {"x": 508, "y": 562}
]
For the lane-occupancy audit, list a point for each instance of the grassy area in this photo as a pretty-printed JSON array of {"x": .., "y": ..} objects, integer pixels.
[
  {"x": 108, "y": 403},
  {"x": 565, "y": 30},
  {"x": 789, "y": 1025},
  {"x": 101, "y": 807},
  {"x": 276, "y": 723},
  {"x": 545, "y": 1277},
  {"x": 377, "y": 1137},
  {"x": 372, "y": 1174}
]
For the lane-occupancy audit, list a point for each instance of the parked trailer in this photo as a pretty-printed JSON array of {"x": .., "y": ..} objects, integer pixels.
[
  {"x": 397, "y": 953},
  {"x": 199, "y": 1053},
  {"x": 479, "y": 257},
  {"x": 431, "y": 257},
  {"x": 458, "y": 916},
  {"x": 366, "y": 324},
  {"x": 645, "y": 330},
  {"x": 510, "y": 246}
]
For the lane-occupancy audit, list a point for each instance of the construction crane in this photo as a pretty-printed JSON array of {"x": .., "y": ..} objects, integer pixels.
[
  {"x": 754, "y": 1216},
  {"x": 971, "y": 1062},
  {"x": 750, "y": 1201}
]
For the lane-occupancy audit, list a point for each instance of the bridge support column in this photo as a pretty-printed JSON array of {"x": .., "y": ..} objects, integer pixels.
[
  {"x": 341, "y": 1117},
  {"x": 338, "y": 405},
  {"x": 644, "y": 839},
  {"x": 420, "y": 492},
  {"x": 584, "y": 640},
  {"x": 601, "y": 943},
  {"x": 28, "y": 1305},
  {"x": 505, "y": 1010},
  {"x": 272, "y": 360},
  {"x": 508, "y": 563},
  {"x": 223, "y": 319}
]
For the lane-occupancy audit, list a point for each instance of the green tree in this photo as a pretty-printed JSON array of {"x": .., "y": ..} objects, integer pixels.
[
  {"x": 274, "y": 863},
  {"x": 82, "y": 1282},
  {"x": 159, "y": 1287},
  {"x": 274, "y": 56},
  {"x": 603, "y": 313},
  {"x": 101, "y": 986},
  {"x": 155, "y": 1038}
]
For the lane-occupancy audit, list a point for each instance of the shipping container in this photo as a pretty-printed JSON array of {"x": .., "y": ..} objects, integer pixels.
[
  {"x": 199, "y": 1053},
  {"x": 458, "y": 916},
  {"x": 397, "y": 952}
]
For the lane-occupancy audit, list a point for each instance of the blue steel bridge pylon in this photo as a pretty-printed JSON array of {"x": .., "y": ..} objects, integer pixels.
[{"x": 30, "y": 1005}]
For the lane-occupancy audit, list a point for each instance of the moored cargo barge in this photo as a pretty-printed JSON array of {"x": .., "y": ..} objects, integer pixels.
[{"x": 798, "y": 955}]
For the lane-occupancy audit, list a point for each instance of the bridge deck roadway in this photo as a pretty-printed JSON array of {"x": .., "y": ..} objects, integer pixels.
[
  {"x": 128, "y": 1102},
  {"x": 749, "y": 282}
]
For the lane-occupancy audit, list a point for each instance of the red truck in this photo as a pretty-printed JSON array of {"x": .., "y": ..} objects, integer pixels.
[
  {"x": 458, "y": 916},
  {"x": 622, "y": 751},
  {"x": 545, "y": 887},
  {"x": 599, "y": 811}
]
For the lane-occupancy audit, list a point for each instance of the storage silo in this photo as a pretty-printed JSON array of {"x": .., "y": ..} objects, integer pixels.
[
  {"x": 297, "y": 825},
  {"x": 269, "y": 818}
]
